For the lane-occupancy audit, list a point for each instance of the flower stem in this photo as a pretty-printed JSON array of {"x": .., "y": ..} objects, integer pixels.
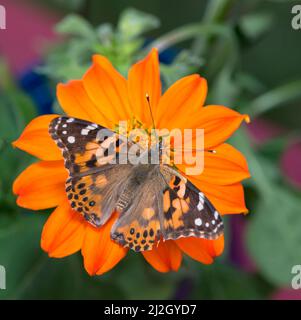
[
  {"x": 187, "y": 32},
  {"x": 274, "y": 98},
  {"x": 217, "y": 10}
]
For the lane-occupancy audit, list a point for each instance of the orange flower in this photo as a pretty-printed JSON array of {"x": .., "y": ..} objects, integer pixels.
[{"x": 105, "y": 97}]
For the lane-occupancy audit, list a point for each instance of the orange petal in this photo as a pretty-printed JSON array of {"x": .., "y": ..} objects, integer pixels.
[
  {"x": 218, "y": 123},
  {"x": 218, "y": 245},
  {"x": 100, "y": 252},
  {"x": 41, "y": 185},
  {"x": 228, "y": 199},
  {"x": 75, "y": 101},
  {"x": 166, "y": 257},
  {"x": 108, "y": 90},
  {"x": 202, "y": 250},
  {"x": 63, "y": 232},
  {"x": 225, "y": 166},
  {"x": 143, "y": 80},
  {"x": 184, "y": 98},
  {"x": 36, "y": 140}
]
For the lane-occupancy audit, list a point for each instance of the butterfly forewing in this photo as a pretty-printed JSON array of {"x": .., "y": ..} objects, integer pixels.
[{"x": 90, "y": 151}]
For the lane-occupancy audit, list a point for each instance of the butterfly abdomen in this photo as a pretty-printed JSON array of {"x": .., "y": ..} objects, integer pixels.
[{"x": 124, "y": 200}]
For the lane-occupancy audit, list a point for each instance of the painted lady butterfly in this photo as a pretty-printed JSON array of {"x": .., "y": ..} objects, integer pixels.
[{"x": 154, "y": 201}]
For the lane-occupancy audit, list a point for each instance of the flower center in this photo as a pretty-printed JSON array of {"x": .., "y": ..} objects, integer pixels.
[{"x": 147, "y": 138}]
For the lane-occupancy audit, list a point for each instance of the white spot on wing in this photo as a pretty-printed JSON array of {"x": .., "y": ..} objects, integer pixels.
[
  {"x": 198, "y": 222},
  {"x": 70, "y": 120},
  {"x": 216, "y": 215},
  {"x": 85, "y": 132},
  {"x": 71, "y": 139},
  {"x": 200, "y": 205}
]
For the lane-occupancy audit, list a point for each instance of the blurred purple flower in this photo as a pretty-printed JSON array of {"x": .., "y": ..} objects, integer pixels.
[{"x": 291, "y": 163}]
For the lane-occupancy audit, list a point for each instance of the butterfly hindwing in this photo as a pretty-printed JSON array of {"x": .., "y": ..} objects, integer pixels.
[
  {"x": 95, "y": 194},
  {"x": 139, "y": 227},
  {"x": 166, "y": 206},
  {"x": 139, "y": 224},
  {"x": 188, "y": 213}
]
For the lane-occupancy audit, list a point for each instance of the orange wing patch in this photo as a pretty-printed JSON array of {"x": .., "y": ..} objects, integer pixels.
[
  {"x": 140, "y": 234},
  {"x": 84, "y": 198},
  {"x": 173, "y": 208},
  {"x": 138, "y": 237}
]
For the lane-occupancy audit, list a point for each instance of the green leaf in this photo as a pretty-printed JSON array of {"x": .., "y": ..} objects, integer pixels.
[
  {"x": 221, "y": 281},
  {"x": 16, "y": 106},
  {"x": 133, "y": 23},
  {"x": 188, "y": 32},
  {"x": 16, "y": 111},
  {"x": 263, "y": 173},
  {"x": 75, "y": 25},
  {"x": 274, "y": 238},
  {"x": 273, "y": 230},
  {"x": 19, "y": 252},
  {"x": 216, "y": 10},
  {"x": 224, "y": 90},
  {"x": 255, "y": 24},
  {"x": 68, "y": 61},
  {"x": 272, "y": 150},
  {"x": 140, "y": 281},
  {"x": 184, "y": 64},
  {"x": 31, "y": 274},
  {"x": 105, "y": 33},
  {"x": 274, "y": 98},
  {"x": 248, "y": 83}
]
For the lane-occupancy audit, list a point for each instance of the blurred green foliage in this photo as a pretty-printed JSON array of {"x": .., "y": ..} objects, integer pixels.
[
  {"x": 230, "y": 45},
  {"x": 121, "y": 44}
]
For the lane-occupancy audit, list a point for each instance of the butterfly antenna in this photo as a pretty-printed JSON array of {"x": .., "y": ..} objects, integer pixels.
[
  {"x": 150, "y": 109},
  {"x": 151, "y": 113}
]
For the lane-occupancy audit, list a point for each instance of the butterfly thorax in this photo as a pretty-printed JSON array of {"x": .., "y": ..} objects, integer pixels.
[{"x": 141, "y": 174}]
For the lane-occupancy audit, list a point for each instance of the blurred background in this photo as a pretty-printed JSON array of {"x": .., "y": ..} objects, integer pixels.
[{"x": 250, "y": 55}]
